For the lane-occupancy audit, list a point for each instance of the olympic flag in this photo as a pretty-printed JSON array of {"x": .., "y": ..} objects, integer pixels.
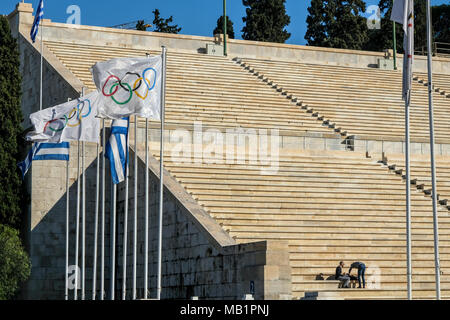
[
  {"x": 129, "y": 86},
  {"x": 72, "y": 121}
]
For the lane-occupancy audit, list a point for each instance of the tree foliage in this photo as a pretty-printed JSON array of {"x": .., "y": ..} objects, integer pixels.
[
  {"x": 441, "y": 23},
  {"x": 12, "y": 197},
  {"x": 163, "y": 25},
  {"x": 230, "y": 27},
  {"x": 382, "y": 39},
  {"x": 266, "y": 20},
  {"x": 15, "y": 265},
  {"x": 337, "y": 24}
]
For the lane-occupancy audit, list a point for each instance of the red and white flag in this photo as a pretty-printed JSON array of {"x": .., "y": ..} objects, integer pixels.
[{"x": 403, "y": 13}]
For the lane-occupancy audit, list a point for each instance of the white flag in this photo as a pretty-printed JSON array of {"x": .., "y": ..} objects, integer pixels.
[
  {"x": 403, "y": 13},
  {"x": 129, "y": 86},
  {"x": 72, "y": 121}
]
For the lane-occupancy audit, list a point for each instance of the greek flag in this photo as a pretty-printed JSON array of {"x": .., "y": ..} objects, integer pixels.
[
  {"x": 117, "y": 149},
  {"x": 37, "y": 20},
  {"x": 45, "y": 151}
]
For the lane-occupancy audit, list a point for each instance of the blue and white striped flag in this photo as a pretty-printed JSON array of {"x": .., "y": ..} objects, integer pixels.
[
  {"x": 45, "y": 151},
  {"x": 117, "y": 149},
  {"x": 37, "y": 20}
]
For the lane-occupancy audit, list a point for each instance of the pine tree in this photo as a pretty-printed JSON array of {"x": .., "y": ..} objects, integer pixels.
[
  {"x": 266, "y": 20},
  {"x": 11, "y": 142},
  {"x": 382, "y": 39},
  {"x": 219, "y": 28},
  {"x": 320, "y": 17},
  {"x": 162, "y": 25},
  {"x": 337, "y": 24},
  {"x": 441, "y": 23}
]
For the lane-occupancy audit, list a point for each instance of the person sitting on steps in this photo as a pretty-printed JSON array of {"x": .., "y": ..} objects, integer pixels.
[{"x": 345, "y": 279}]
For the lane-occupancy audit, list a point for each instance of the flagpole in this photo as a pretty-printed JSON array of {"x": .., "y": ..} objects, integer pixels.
[
  {"x": 83, "y": 238},
  {"x": 408, "y": 193},
  {"x": 394, "y": 38},
  {"x": 135, "y": 207},
  {"x": 97, "y": 196},
  {"x": 433, "y": 160},
  {"x": 102, "y": 272},
  {"x": 224, "y": 27},
  {"x": 161, "y": 171},
  {"x": 77, "y": 227},
  {"x": 42, "y": 60},
  {"x": 125, "y": 219},
  {"x": 113, "y": 240},
  {"x": 67, "y": 233},
  {"x": 146, "y": 211}
]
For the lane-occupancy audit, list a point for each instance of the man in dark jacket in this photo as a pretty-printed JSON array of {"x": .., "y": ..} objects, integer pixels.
[
  {"x": 361, "y": 272},
  {"x": 345, "y": 279}
]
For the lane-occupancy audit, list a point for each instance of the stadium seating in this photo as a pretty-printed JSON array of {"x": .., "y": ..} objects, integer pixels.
[
  {"x": 364, "y": 102},
  {"x": 421, "y": 173},
  {"x": 330, "y": 206},
  {"x": 202, "y": 88},
  {"x": 441, "y": 82}
]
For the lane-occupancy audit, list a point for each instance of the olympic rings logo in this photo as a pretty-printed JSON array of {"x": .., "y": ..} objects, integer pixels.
[
  {"x": 73, "y": 119},
  {"x": 129, "y": 90}
]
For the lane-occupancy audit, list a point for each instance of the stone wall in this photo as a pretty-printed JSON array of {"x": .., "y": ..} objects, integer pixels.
[
  {"x": 47, "y": 222},
  {"x": 240, "y": 48},
  {"x": 199, "y": 258},
  {"x": 56, "y": 89}
]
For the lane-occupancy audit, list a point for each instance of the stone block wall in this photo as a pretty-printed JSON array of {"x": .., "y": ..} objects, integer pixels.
[{"x": 199, "y": 258}]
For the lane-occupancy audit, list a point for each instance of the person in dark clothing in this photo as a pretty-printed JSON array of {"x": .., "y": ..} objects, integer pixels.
[
  {"x": 361, "y": 272},
  {"x": 345, "y": 279}
]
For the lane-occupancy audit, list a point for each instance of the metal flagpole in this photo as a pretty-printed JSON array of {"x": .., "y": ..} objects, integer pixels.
[
  {"x": 125, "y": 220},
  {"x": 394, "y": 34},
  {"x": 433, "y": 160},
  {"x": 224, "y": 27},
  {"x": 83, "y": 237},
  {"x": 83, "y": 226},
  {"x": 42, "y": 63},
  {"x": 135, "y": 208},
  {"x": 67, "y": 233},
  {"x": 97, "y": 196},
  {"x": 77, "y": 232},
  {"x": 102, "y": 254},
  {"x": 161, "y": 170},
  {"x": 146, "y": 211},
  {"x": 408, "y": 195},
  {"x": 113, "y": 241}
]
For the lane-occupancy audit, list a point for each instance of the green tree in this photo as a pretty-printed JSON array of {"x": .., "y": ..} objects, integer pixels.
[
  {"x": 441, "y": 23},
  {"x": 219, "y": 28},
  {"x": 15, "y": 265},
  {"x": 337, "y": 24},
  {"x": 381, "y": 39},
  {"x": 12, "y": 197},
  {"x": 266, "y": 20},
  {"x": 163, "y": 25}
]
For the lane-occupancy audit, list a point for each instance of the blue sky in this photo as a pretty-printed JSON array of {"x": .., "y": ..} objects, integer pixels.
[{"x": 196, "y": 17}]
